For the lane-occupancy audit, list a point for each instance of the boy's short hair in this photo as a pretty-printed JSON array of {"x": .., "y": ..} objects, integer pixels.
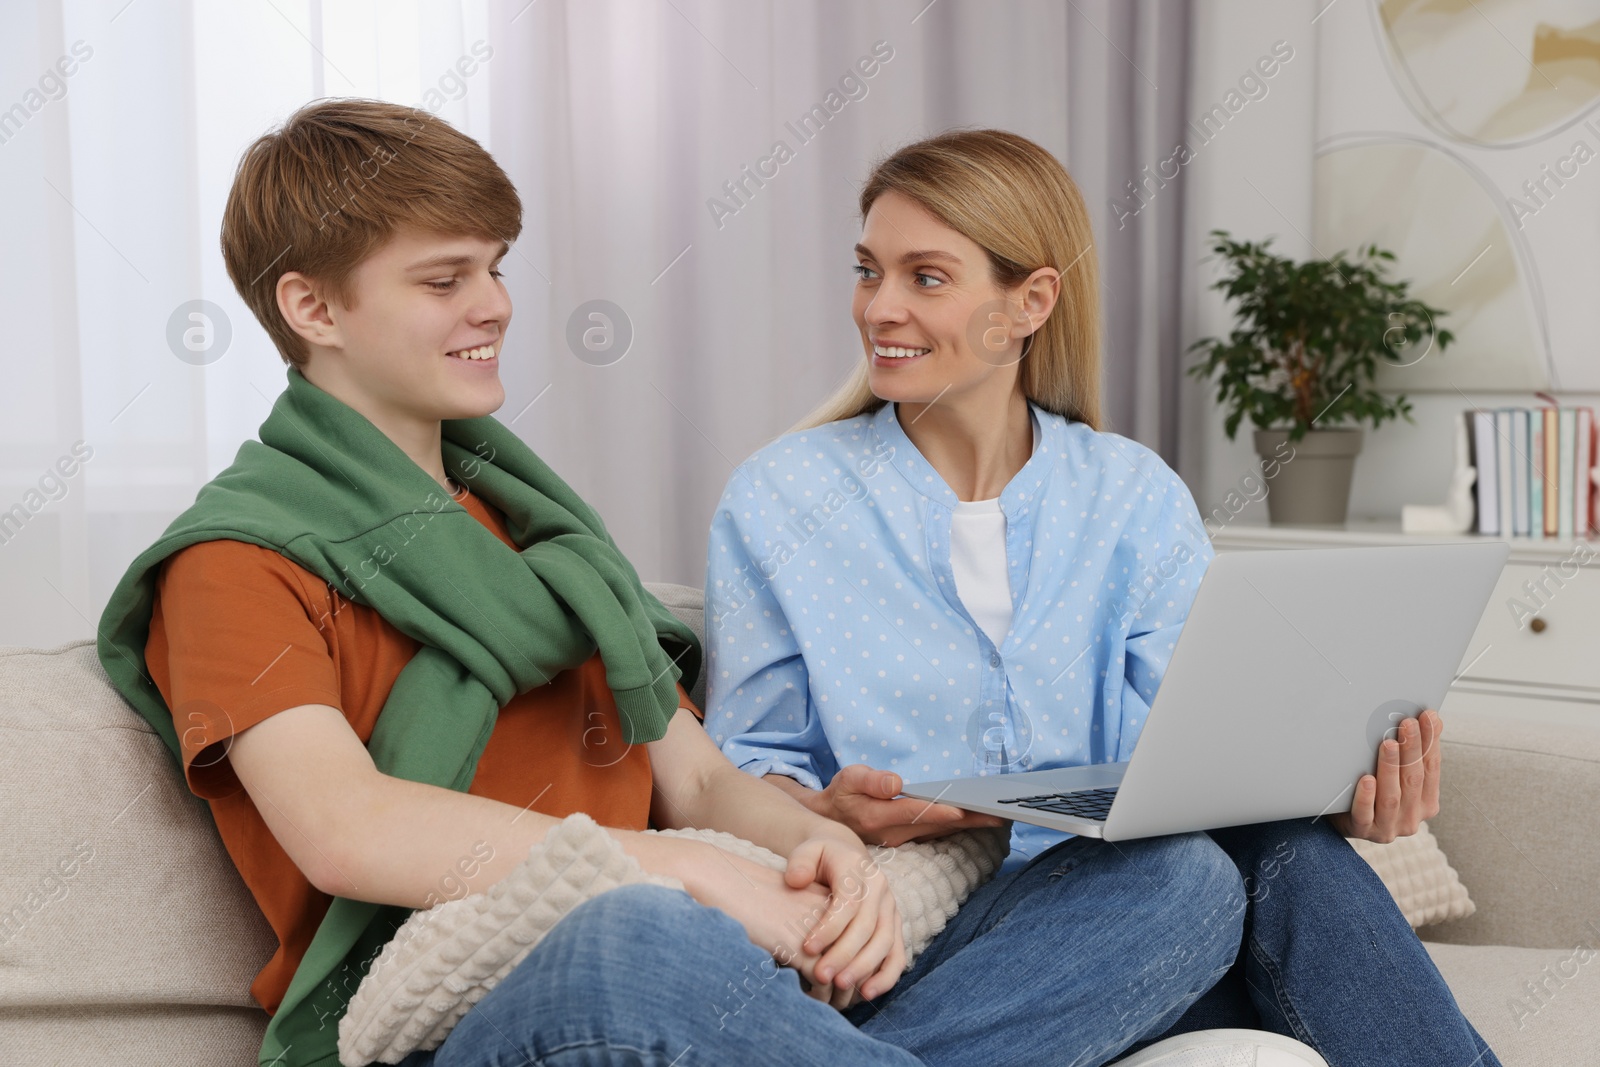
[{"x": 335, "y": 183}]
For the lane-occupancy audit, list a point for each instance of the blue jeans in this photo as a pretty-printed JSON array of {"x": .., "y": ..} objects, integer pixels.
[
  {"x": 1089, "y": 951},
  {"x": 1328, "y": 959},
  {"x": 1029, "y": 971}
]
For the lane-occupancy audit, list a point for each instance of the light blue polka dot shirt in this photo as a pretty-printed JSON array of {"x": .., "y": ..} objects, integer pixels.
[{"x": 835, "y": 635}]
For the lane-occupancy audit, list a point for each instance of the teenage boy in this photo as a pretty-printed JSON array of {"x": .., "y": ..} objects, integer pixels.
[{"x": 388, "y": 639}]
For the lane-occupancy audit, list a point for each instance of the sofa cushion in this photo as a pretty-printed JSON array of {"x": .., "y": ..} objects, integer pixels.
[
  {"x": 1536, "y": 1007},
  {"x": 1519, "y": 795},
  {"x": 118, "y": 891},
  {"x": 155, "y": 1036}
]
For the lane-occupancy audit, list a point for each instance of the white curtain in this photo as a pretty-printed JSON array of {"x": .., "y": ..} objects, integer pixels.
[{"x": 628, "y": 127}]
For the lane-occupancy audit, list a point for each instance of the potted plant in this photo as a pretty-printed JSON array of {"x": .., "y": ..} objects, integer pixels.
[{"x": 1301, "y": 362}]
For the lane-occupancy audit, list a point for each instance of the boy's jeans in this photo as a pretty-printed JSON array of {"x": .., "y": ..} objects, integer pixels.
[{"x": 1086, "y": 950}]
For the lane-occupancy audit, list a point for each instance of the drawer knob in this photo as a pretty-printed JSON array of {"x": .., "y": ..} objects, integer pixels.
[{"x": 1536, "y": 624}]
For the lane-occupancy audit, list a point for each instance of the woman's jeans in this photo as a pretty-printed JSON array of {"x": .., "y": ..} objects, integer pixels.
[
  {"x": 1329, "y": 960},
  {"x": 1091, "y": 948}
]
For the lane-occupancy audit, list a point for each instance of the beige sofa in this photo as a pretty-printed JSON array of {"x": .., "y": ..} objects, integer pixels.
[{"x": 128, "y": 938}]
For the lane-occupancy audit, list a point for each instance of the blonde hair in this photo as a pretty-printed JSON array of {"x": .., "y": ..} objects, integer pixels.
[{"x": 1015, "y": 201}]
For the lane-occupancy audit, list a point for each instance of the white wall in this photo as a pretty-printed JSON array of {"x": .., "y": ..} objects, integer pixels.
[{"x": 1253, "y": 179}]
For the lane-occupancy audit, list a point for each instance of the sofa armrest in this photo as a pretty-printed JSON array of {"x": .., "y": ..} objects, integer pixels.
[{"x": 1520, "y": 823}]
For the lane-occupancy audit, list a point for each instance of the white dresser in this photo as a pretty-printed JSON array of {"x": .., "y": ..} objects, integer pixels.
[{"x": 1541, "y": 659}]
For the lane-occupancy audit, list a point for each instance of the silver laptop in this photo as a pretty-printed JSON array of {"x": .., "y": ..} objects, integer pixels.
[{"x": 1290, "y": 669}]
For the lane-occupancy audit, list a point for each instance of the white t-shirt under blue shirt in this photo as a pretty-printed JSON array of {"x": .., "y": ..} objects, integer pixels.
[{"x": 978, "y": 560}]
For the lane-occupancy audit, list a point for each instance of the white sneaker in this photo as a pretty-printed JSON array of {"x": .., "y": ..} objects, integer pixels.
[{"x": 1226, "y": 1048}]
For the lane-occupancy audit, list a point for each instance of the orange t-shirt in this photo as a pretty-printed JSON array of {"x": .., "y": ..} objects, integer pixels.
[{"x": 239, "y": 633}]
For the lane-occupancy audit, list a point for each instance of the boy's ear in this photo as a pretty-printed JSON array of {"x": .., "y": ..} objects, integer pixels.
[{"x": 305, "y": 310}]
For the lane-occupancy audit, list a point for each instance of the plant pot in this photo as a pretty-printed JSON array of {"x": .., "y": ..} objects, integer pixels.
[{"x": 1312, "y": 483}]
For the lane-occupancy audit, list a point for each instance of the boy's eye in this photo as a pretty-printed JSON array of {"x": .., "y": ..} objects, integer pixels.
[{"x": 449, "y": 284}]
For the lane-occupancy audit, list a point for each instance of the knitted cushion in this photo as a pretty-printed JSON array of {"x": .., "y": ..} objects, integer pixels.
[
  {"x": 446, "y": 959},
  {"x": 1418, "y": 876}
]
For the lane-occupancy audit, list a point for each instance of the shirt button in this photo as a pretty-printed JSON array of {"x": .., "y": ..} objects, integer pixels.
[{"x": 994, "y": 659}]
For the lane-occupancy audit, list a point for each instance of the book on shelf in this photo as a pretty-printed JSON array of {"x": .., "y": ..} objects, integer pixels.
[
  {"x": 1566, "y": 462},
  {"x": 1583, "y": 508},
  {"x": 1552, "y": 448},
  {"x": 1536, "y": 493},
  {"x": 1481, "y": 436},
  {"x": 1521, "y": 472},
  {"x": 1533, "y": 469},
  {"x": 1503, "y": 449}
]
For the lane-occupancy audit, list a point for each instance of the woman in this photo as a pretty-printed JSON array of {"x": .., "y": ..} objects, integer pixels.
[{"x": 949, "y": 569}]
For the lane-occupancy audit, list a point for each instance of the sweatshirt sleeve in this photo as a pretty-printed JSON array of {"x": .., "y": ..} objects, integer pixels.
[
  {"x": 1176, "y": 553},
  {"x": 759, "y": 706}
]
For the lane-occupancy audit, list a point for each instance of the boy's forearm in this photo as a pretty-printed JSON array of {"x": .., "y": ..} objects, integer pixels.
[
  {"x": 806, "y": 796},
  {"x": 760, "y": 810},
  {"x": 696, "y": 786},
  {"x": 417, "y": 845}
]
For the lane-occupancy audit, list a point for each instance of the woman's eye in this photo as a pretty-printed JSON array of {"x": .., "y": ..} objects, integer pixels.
[
  {"x": 931, "y": 278},
  {"x": 864, "y": 272}
]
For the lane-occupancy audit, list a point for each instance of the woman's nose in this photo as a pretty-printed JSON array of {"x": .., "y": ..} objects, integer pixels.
[{"x": 885, "y": 306}]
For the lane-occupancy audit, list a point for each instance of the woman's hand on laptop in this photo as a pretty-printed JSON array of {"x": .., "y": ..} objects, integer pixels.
[
  {"x": 1405, "y": 791},
  {"x": 868, "y": 801}
]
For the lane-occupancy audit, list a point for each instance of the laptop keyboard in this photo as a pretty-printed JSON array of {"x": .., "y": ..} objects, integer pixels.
[{"x": 1083, "y": 803}]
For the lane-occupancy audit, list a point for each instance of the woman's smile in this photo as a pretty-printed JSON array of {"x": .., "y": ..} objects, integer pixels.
[{"x": 896, "y": 354}]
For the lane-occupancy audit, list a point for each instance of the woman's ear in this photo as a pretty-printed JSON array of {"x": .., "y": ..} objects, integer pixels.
[{"x": 1037, "y": 295}]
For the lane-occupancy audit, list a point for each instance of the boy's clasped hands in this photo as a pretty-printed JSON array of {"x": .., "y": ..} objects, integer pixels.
[{"x": 830, "y": 915}]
